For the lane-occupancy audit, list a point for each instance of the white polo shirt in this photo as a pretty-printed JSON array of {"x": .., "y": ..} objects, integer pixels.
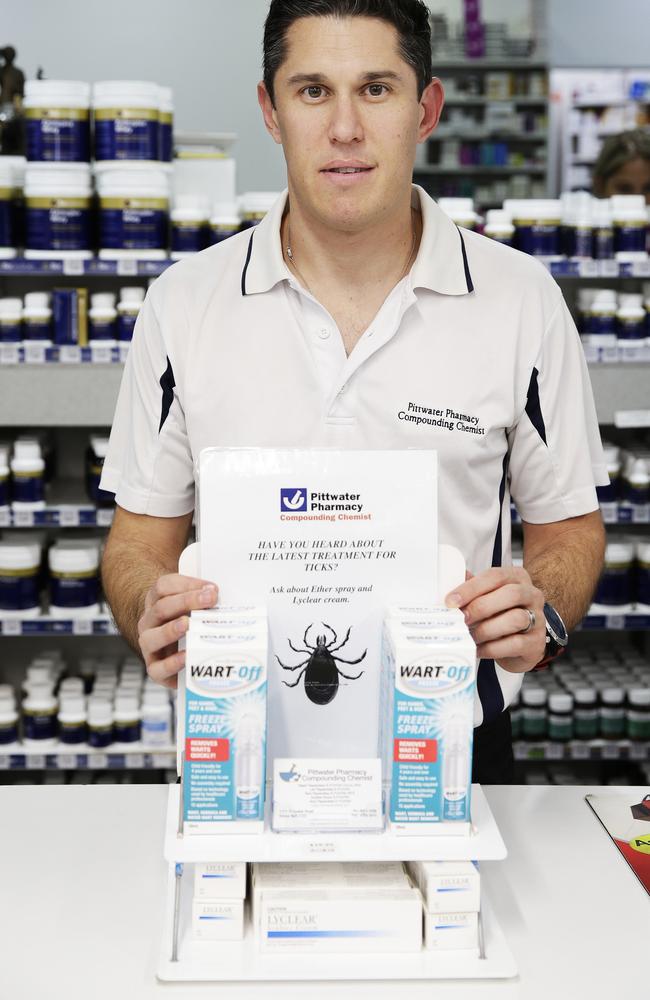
[{"x": 473, "y": 354}]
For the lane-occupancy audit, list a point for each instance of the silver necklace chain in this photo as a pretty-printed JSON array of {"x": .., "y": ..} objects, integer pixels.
[{"x": 292, "y": 260}]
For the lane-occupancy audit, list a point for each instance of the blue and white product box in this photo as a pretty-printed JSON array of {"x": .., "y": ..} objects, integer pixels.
[
  {"x": 326, "y": 540},
  {"x": 451, "y": 932},
  {"x": 429, "y": 676},
  {"x": 218, "y": 919},
  {"x": 223, "y": 730},
  {"x": 448, "y": 886},
  {"x": 220, "y": 880}
]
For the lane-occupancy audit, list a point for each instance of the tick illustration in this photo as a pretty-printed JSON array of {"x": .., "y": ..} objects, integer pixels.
[{"x": 320, "y": 668}]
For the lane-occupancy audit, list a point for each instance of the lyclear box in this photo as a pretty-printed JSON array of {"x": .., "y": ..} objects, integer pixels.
[
  {"x": 448, "y": 886},
  {"x": 330, "y": 921},
  {"x": 429, "y": 678},
  {"x": 220, "y": 880},
  {"x": 223, "y": 730},
  {"x": 218, "y": 919},
  {"x": 451, "y": 931}
]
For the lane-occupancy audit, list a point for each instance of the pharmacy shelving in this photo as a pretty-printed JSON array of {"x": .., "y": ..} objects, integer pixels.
[
  {"x": 67, "y": 354},
  {"x": 68, "y": 758},
  {"x": 16, "y": 625},
  {"x": 578, "y": 750},
  {"x": 477, "y": 171},
  {"x": 93, "y": 268}
]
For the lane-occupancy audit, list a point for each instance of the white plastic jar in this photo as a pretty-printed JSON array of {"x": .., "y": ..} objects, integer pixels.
[
  {"x": 636, "y": 482},
  {"x": 11, "y": 320},
  {"x": 254, "y": 205},
  {"x": 630, "y": 221},
  {"x": 8, "y": 722},
  {"x": 126, "y": 719},
  {"x": 128, "y": 310},
  {"x": 643, "y": 573},
  {"x": 57, "y": 114},
  {"x": 189, "y": 225},
  {"x": 603, "y": 229},
  {"x": 630, "y": 318},
  {"x": 225, "y": 221},
  {"x": 126, "y": 116},
  {"x": 615, "y": 584},
  {"x": 499, "y": 227},
  {"x": 40, "y": 717},
  {"x": 460, "y": 210},
  {"x": 37, "y": 318},
  {"x": 165, "y": 124},
  {"x": 133, "y": 211},
  {"x": 72, "y": 720},
  {"x": 537, "y": 225},
  {"x": 5, "y": 482},
  {"x": 27, "y": 467},
  {"x": 156, "y": 719},
  {"x": 58, "y": 211},
  {"x": 100, "y": 722},
  {"x": 102, "y": 318},
  {"x": 600, "y": 321},
  {"x": 95, "y": 457},
  {"x": 8, "y": 235},
  {"x": 74, "y": 580}
]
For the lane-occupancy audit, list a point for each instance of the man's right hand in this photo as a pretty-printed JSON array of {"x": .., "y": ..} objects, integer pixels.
[{"x": 165, "y": 621}]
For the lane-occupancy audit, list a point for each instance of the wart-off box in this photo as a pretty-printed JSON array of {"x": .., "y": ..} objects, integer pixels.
[
  {"x": 223, "y": 729},
  {"x": 220, "y": 880},
  {"x": 451, "y": 931},
  {"x": 218, "y": 920},
  {"x": 328, "y": 921},
  {"x": 429, "y": 676},
  {"x": 448, "y": 886}
]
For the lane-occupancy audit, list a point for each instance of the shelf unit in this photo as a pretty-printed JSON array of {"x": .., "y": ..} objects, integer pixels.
[
  {"x": 182, "y": 959},
  {"x": 492, "y": 142},
  {"x": 67, "y": 758}
]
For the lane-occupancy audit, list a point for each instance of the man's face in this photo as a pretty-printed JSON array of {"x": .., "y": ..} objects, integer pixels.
[{"x": 348, "y": 117}]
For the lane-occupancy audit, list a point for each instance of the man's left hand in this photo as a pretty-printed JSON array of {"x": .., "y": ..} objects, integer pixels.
[{"x": 495, "y": 604}]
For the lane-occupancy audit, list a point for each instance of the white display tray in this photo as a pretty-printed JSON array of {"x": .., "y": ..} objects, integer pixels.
[
  {"x": 483, "y": 843},
  {"x": 232, "y": 961}
]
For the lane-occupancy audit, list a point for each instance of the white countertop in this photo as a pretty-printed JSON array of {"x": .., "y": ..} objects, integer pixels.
[{"x": 82, "y": 882}]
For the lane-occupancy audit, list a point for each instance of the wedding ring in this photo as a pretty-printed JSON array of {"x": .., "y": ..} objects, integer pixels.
[{"x": 531, "y": 623}]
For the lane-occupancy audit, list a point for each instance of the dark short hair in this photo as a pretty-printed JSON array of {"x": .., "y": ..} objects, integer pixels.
[
  {"x": 619, "y": 149},
  {"x": 409, "y": 17}
]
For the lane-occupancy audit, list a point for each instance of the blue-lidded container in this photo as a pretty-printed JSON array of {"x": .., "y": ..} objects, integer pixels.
[
  {"x": 615, "y": 587},
  {"x": 11, "y": 320},
  {"x": 126, "y": 117},
  {"x": 57, "y": 119},
  {"x": 74, "y": 578},
  {"x": 58, "y": 211}
]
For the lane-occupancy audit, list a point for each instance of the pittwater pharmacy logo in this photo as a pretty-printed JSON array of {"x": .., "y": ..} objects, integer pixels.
[
  {"x": 293, "y": 499},
  {"x": 291, "y": 775}
]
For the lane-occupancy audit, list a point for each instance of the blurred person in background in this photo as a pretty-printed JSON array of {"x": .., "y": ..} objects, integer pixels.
[{"x": 623, "y": 166}]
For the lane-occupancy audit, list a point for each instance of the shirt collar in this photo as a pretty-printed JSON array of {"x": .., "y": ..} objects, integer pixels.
[{"x": 441, "y": 264}]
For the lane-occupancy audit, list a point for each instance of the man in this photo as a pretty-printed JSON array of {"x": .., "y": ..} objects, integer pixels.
[{"x": 357, "y": 315}]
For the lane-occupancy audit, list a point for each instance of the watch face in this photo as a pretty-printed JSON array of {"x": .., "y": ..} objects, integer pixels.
[{"x": 556, "y": 624}]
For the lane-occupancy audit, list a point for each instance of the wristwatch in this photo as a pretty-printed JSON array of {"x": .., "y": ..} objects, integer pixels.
[{"x": 557, "y": 637}]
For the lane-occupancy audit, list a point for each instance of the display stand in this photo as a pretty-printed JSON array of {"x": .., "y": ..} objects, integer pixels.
[{"x": 184, "y": 959}]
